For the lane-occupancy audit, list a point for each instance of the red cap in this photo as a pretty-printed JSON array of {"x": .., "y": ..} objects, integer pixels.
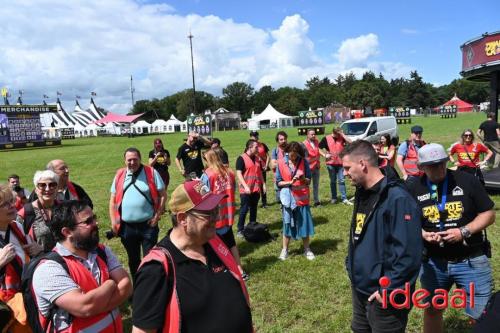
[{"x": 193, "y": 195}]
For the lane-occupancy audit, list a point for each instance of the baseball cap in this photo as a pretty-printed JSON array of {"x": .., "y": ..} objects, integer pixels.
[
  {"x": 254, "y": 133},
  {"x": 417, "y": 129},
  {"x": 193, "y": 195},
  {"x": 432, "y": 153}
]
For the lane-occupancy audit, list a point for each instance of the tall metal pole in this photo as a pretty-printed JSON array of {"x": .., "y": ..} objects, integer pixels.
[
  {"x": 132, "y": 90},
  {"x": 192, "y": 71}
]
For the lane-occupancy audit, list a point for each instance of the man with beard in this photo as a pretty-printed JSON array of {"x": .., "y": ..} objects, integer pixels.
[
  {"x": 66, "y": 190},
  {"x": 86, "y": 296},
  {"x": 384, "y": 243},
  {"x": 189, "y": 154},
  {"x": 407, "y": 159}
]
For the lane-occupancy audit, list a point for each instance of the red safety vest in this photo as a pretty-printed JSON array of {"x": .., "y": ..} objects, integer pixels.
[
  {"x": 411, "y": 160},
  {"x": 220, "y": 184},
  {"x": 252, "y": 175},
  {"x": 119, "y": 180},
  {"x": 335, "y": 147},
  {"x": 300, "y": 190},
  {"x": 384, "y": 162},
  {"x": 10, "y": 282},
  {"x": 72, "y": 190},
  {"x": 313, "y": 155},
  {"x": 261, "y": 151},
  {"x": 109, "y": 322},
  {"x": 172, "y": 312}
]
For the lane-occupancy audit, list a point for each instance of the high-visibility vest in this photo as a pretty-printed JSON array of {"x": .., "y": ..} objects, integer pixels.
[
  {"x": 252, "y": 175},
  {"x": 384, "y": 161},
  {"x": 108, "y": 322},
  {"x": 313, "y": 155},
  {"x": 335, "y": 147},
  {"x": 299, "y": 188},
  {"x": 172, "y": 322},
  {"x": 72, "y": 191},
  {"x": 261, "y": 151},
  {"x": 220, "y": 184},
  {"x": 10, "y": 279},
  {"x": 119, "y": 180},
  {"x": 411, "y": 160}
]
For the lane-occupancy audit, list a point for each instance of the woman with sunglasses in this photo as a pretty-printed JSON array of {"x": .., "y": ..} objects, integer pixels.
[
  {"x": 35, "y": 216},
  {"x": 219, "y": 178},
  {"x": 468, "y": 155},
  {"x": 15, "y": 249}
]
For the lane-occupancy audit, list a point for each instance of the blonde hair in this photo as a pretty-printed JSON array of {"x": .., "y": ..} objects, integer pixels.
[
  {"x": 45, "y": 174},
  {"x": 6, "y": 194},
  {"x": 214, "y": 161}
]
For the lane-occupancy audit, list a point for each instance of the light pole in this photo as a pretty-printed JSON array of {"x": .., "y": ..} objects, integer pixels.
[
  {"x": 132, "y": 90},
  {"x": 192, "y": 71}
]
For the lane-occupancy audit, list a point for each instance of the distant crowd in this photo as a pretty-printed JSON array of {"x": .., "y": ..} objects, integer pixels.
[{"x": 425, "y": 222}]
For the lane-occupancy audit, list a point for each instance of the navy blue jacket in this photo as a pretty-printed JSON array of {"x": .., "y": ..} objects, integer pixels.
[{"x": 390, "y": 243}]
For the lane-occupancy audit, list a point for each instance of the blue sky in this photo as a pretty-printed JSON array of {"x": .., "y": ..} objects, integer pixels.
[{"x": 81, "y": 46}]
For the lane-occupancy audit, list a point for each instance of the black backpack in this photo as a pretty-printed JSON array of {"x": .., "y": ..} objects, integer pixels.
[
  {"x": 489, "y": 321},
  {"x": 256, "y": 232},
  {"x": 29, "y": 297}
]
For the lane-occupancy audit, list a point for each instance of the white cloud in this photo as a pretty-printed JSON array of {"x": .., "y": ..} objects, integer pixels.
[
  {"x": 408, "y": 31},
  {"x": 92, "y": 45}
]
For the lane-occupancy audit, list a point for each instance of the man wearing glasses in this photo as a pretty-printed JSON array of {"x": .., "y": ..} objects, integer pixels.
[
  {"x": 84, "y": 296},
  {"x": 190, "y": 279},
  {"x": 408, "y": 154}
]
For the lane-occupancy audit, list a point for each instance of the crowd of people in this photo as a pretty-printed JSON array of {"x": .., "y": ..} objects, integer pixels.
[{"x": 429, "y": 225}]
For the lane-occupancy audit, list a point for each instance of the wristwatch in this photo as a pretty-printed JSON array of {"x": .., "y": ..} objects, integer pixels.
[{"x": 465, "y": 232}]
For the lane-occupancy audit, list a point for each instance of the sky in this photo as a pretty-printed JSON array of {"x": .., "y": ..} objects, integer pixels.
[{"x": 81, "y": 46}]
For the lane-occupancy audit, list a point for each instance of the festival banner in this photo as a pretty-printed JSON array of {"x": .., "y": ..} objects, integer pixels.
[{"x": 201, "y": 124}]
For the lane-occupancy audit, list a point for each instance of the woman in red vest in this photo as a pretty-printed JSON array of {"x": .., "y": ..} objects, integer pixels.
[
  {"x": 15, "y": 249},
  {"x": 220, "y": 179},
  {"x": 387, "y": 151},
  {"x": 293, "y": 176},
  {"x": 469, "y": 153}
]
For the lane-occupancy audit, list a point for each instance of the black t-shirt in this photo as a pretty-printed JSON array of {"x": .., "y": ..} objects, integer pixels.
[
  {"x": 489, "y": 127},
  {"x": 191, "y": 157},
  {"x": 365, "y": 200},
  {"x": 240, "y": 163},
  {"x": 210, "y": 298},
  {"x": 161, "y": 162},
  {"x": 465, "y": 199}
]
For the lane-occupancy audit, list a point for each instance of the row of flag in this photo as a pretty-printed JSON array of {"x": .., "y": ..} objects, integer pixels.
[{"x": 5, "y": 94}]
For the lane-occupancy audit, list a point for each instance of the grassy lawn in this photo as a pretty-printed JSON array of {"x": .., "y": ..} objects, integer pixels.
[{"x": 292, "y": 296}]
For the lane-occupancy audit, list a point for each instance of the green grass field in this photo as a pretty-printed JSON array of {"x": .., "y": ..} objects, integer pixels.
[{"x": 291, "y": 296}]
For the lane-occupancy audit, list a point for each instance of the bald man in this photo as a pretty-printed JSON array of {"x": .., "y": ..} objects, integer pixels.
[{"x": 66, "y": 189}]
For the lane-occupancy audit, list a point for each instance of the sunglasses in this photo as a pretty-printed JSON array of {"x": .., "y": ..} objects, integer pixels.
[
  {"x": 91, "y": 220},
  {"x": 213, "y": 216},
  {"x": 50, "y": 186},
  {"x": 468, "y": 135}
]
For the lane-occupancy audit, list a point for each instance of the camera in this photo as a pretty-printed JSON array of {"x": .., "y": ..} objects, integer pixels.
[
  {"x": 18, "y": 188},
  {"x": 110, "y": 234}
]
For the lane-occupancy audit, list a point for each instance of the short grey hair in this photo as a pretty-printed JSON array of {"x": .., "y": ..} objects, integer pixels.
[{"x": 45, "y": 174}]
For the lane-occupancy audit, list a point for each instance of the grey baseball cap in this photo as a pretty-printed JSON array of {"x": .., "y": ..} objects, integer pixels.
[{"x": 432, "y": 153}]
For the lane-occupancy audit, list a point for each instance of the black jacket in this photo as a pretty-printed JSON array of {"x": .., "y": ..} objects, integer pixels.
[{"x": 390, "y": 243}]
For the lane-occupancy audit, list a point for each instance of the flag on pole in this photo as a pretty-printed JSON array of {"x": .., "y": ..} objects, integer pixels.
[
  {"x": 93, "y": 93},
  {"x": 21, "y": 92},
  {"x": 59, "y": 94},
  {"x": 45, "y": 96},
  {"x": 77, "y": 97},
  {"x": 5, "y": 91}
]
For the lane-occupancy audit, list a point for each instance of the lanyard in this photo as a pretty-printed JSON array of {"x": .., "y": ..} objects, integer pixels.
[{"x": 434, "y": 196}]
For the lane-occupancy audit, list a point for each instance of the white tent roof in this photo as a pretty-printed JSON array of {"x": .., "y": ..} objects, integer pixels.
[
  {"x": 174, "y": 121},
  {"x": 159, "y": 122},
  {"x": 269, "y": 113},
  {"x": 92, "y": 127},
  {"x": 141, "y": 123}
]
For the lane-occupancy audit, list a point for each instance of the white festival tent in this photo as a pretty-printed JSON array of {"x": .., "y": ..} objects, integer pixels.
[
  {"x": 159, "y": 126},
  {"x": 175, "y": 125},
  {"x": 141, "y": 127},
  {"x": 270, "y": 118}
]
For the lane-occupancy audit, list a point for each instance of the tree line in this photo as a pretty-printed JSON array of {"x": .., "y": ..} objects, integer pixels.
[{"x": 368, "y": 91}]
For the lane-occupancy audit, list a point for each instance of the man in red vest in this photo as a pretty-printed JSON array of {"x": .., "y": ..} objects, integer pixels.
[
  {"x": 84, "y": 296},
  {"x": 136, "y": 204},
  {"x": 332, "y": 145},
  {"x": 313, "y": 157},
  {"x": 407, "y": 159},
  {"x": 191, "y": 280},
  {"x": 265, "y": 159}
]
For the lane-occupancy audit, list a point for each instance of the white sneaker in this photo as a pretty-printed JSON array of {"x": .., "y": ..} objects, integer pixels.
[
  {"x": 309, "y": 255},
  {"x": 283, "y": 254},
  {"x": 347, "y": 202}
]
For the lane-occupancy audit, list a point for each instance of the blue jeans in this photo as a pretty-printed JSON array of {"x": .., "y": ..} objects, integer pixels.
[
  {"x": 315, "y": 184},
  {"x": 336, "y": 173},
  {"x": 135, "y": 235},
  {"x": 438, "y": 273}
]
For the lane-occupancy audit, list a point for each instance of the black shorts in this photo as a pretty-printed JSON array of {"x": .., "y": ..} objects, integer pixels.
[{"x": 228, "y": 238}]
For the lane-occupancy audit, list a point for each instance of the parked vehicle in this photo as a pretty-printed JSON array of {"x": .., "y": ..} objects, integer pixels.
[{"x": 371, "y": 128}]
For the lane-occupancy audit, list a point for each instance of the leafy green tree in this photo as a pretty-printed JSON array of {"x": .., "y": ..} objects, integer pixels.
[
  {"x": 266, "y": 95},
  {"x": 237, "y": 96}
]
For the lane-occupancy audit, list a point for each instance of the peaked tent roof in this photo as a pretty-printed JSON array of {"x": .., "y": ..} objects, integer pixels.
[
  {"x": 174, "y": 121},
  {"x": 270, "y": 113},
  {"x": 462, "y": 106},
  {"x": 158, "y": 122},
  {"x": 117, "y": 118}
]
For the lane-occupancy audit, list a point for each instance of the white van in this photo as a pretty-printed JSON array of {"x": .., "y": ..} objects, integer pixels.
[{"x": 371, "y": 128}]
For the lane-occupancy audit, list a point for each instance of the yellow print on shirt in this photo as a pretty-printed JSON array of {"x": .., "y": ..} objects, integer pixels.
[
  {"x": 360, "y": 222},
  {"x": 454, "y": 211}
]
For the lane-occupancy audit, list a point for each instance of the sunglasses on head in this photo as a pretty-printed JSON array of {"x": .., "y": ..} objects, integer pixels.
[{"x": 50, "y": 186}]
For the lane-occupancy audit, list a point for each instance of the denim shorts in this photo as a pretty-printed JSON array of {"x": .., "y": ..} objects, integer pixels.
[{"x": 439, "y": 273}]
